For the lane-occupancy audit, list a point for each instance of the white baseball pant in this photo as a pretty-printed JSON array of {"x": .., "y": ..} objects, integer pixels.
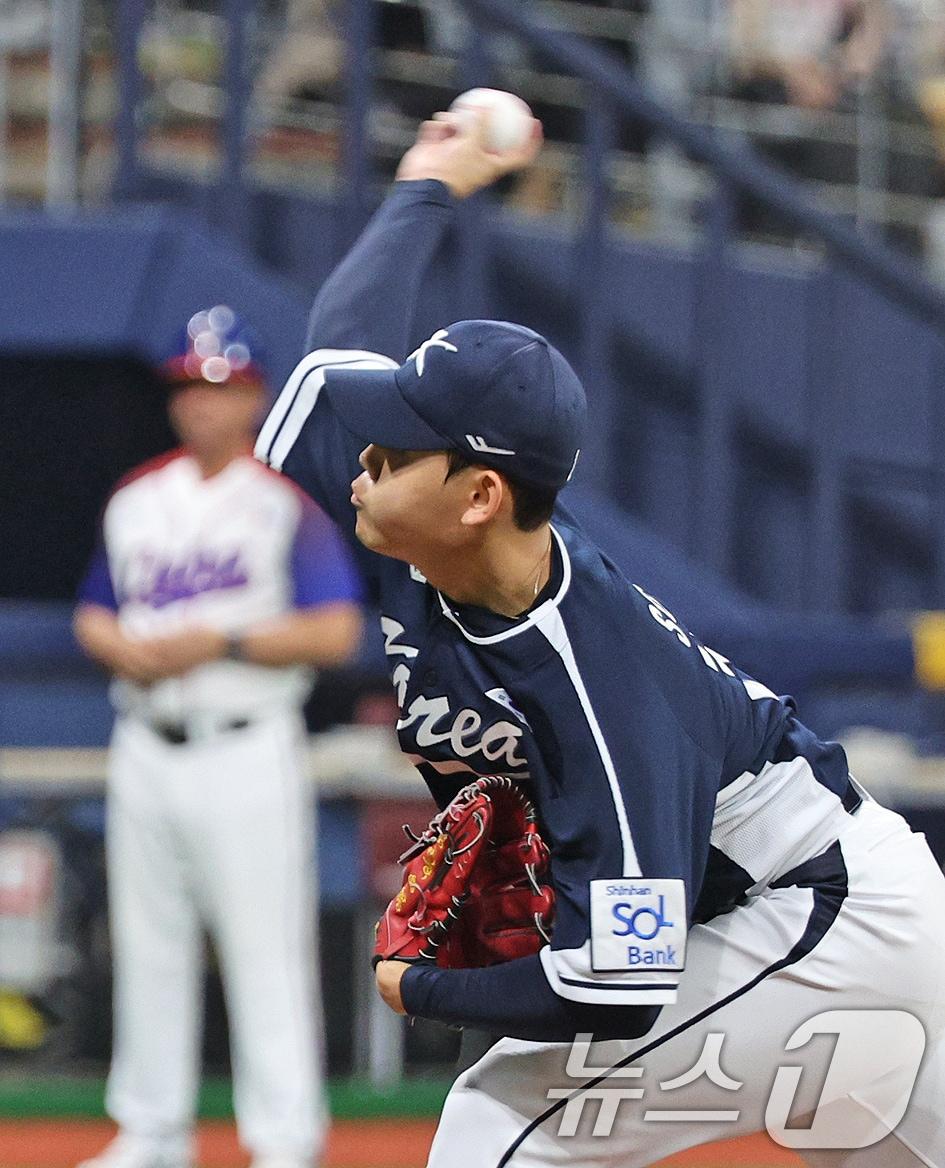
[
  {"x": 883, "y": 951},
  {"x": 214, "y": 834}
]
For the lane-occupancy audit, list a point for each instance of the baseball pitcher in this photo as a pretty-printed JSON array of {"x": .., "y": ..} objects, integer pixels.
[{"x": 724, "y": 892}]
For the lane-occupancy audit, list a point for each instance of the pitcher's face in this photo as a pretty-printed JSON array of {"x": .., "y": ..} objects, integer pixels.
[{"x": 406, "y": 506}]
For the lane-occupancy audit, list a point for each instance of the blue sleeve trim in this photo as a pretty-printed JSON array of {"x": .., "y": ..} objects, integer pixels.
[
  {"x": 97, "y": 586},
  {"x": 323, "y": 570}
]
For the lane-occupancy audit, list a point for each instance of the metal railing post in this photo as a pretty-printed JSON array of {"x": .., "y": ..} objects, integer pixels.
[
  {"x": 235, "y": 191},
  {"x": 826, "y": 558},
  {"x": 473, "y": 228},
  {"x": 872, "y": 152},
  {"x": 936, "y": 423},
  {"x": 4, "y": 119},
  {"x": 356, "y": 169},
  {"x": 716, "y": 441},
  {"x": 65, "y": 106},
  {"x": 590, "y": 287},
  {"x": 130, "y": 20}
]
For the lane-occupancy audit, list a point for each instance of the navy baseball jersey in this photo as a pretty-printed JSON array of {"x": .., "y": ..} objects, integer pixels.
[{"x": 670, "y": 785}]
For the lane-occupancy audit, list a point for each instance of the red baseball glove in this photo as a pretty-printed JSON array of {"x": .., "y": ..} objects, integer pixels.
[{"x": 475, "y": 890}]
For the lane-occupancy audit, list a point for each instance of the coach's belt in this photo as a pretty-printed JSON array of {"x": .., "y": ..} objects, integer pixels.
[{"x": 196, "y": 729}]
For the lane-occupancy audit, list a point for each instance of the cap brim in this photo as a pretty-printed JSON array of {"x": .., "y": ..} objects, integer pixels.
[
  {"x": 369, "y": 403},
  {"x": 179, "y": 371}
]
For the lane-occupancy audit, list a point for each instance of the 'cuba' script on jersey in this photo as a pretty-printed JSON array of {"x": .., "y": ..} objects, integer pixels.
[
  {"x": 638, "y": 925},
  {"x": 158, "y": 581}
]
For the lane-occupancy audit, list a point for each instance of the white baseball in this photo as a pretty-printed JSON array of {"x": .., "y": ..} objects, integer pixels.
[{"x": 509, "y": 124}]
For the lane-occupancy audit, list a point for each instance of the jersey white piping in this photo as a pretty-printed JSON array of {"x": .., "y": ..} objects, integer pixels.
[
  {"x": 569, "y": 974},
  {"x": 547, "y": 620},
  {"x": 551, "y": 626},
  {"x": 533, "y": 618},
  {"x": 297, "y": 400}
]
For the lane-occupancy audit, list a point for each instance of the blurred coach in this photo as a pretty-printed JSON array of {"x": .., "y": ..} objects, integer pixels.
[{"x": 215, "y": 588}]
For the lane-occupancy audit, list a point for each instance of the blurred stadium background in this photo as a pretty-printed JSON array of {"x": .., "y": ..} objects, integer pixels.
[{"x": 737, "y": 234}]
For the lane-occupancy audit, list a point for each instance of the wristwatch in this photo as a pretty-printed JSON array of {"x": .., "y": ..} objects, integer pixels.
[{"x": 235, "y": 650}]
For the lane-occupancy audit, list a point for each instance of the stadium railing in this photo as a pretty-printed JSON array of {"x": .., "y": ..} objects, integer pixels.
[
  {"x": 614, "y": 91},
  {"x": 613, "y": 95}
]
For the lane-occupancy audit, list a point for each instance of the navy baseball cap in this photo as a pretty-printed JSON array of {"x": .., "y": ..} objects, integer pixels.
[
  {"x": 217, "y": 347},
  {"x": 498, "y": 393}
]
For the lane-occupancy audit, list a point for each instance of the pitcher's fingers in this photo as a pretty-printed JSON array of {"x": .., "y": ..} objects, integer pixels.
[
  {"x": 528, "y": 152},
  {"x": 433, "y": 131}
]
